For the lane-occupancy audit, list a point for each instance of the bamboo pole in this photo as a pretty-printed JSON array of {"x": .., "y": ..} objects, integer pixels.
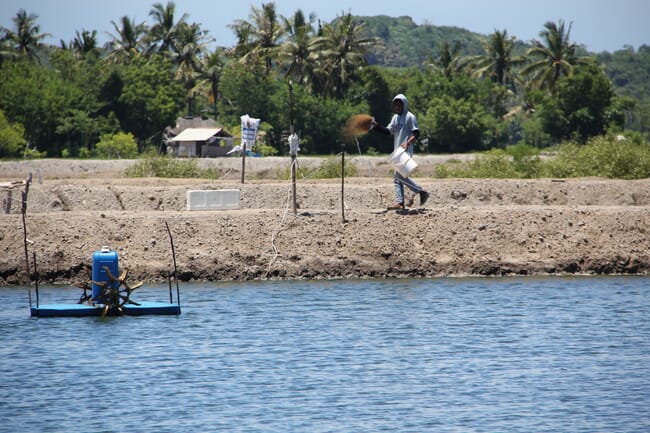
[
  {"x": 343, "y": 183},
  {"x": 293, "y": 154},
  {"x": 23, "y": 210},
  {"x": 171, "y": 241},
  {"x": 243, "y": 160}
]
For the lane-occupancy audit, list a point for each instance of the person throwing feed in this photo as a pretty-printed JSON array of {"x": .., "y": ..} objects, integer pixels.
[{"x": 404, "y": 127}]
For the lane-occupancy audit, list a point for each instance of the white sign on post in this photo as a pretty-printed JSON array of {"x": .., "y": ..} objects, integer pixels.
[{"x": 249, "y": 128}]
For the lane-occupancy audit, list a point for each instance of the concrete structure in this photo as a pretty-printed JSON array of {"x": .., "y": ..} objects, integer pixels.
[{"x": 221, "y": 199}]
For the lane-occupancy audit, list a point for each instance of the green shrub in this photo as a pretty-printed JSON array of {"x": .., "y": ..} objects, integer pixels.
[
  {"x": 564, "y": 162},
  {"x": 120, "y": 145},
  {"x": 34, "y": 153},
  {"x": 301, "y": 172},
  {"x": 12, "y": 137},
  {"x": 495, "y": 164},
  {"x": 163, "y": 166},
  {"x": 84, "y": 152},
  {"x": 330, "y": 168},
  {"x": 533, "y": 133},
  {"x": 526, "y": 161},
  {"x": 603, "y": 156},
  {"x": 265, "y": 150},
  {"x": 372, "y": 151}
]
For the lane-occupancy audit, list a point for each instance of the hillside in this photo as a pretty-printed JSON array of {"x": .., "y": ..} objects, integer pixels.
[{"x": 407, "y": 44}]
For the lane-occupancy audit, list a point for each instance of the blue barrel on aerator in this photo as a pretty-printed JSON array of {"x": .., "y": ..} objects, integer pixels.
[{"x": 104, "y": 258}]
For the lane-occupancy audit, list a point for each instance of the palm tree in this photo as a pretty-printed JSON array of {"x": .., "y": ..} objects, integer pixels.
[
  {"x": 27, "y": 39},
  {"x": 243, "y": 31},
  {"x": 164, "y": 31},
  {"x": 6, "y": 49},
  {"x": 295, "y": 50},
  {"x": 259, "y": 37},
  {"x": 449, "y": 61},
  {"x": 210, "y": 77},
  {"x": 339, "y": 52},
  {"x": 84, "y": 43},
  {"x": 498, "y": 61},
  {"x": 557, "y": 56},
  {"x": 127, "y": 42},
  {"x": 189, "y": 47}
]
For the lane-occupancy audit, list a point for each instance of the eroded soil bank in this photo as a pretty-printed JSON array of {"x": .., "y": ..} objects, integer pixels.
[{"x": 468, "y": 227}]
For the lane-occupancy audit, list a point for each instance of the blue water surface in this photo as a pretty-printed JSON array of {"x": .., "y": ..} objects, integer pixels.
[{"x": 426, "y": 355}]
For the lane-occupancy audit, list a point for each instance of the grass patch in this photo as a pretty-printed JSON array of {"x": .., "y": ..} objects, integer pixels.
[
  {"x": 162, "y": 166},
  {"x": 603, "y": 156},
  {"x": 330, "y": 168}
]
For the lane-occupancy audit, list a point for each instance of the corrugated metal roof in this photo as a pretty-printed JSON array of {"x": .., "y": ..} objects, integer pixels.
[{"x": 196, "y": 134}]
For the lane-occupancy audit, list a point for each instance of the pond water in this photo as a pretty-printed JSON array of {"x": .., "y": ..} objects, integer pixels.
[{"x": 444, "y": 355}]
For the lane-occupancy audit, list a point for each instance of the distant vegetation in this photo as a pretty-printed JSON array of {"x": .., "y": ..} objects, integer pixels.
[
  {"x": 602, "y": 156},
  {"x": 163, "y": 166},
  {"x": 329, "y": 168},
  {"x": 405, "y": 44},
  {"x": 470, "y": 92}
]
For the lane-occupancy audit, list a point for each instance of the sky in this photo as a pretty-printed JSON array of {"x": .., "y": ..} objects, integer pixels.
[{"x": 599, "y": 25}]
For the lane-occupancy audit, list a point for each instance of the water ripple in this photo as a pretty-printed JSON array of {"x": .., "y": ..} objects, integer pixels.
[{"x": 444, "y": 355}]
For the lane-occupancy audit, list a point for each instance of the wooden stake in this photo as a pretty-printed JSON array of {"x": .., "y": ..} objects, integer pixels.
[
  {"x": 171, "y": 241},
  {"x": 343, "y": 183},
  {"x": 243, "y": 160},
  {"x": 293, "y": 154},
  {"x": 23, "y": 210}
]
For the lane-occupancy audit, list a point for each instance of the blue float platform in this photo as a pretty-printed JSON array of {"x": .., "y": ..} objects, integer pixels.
[{"x": 83, "y": 310}]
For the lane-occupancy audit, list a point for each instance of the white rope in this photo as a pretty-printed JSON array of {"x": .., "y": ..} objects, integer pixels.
[
  {"x": 277, "y": 230},
  {"x": 223, "y": 176}
]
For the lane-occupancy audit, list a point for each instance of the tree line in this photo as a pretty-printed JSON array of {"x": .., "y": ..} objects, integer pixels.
[{"x": 79, "y": 98}]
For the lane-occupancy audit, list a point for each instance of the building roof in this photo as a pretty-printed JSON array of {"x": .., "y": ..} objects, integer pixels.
[
  {"x": 183, "y": 123},
  {"x": 197, "y": 134}
]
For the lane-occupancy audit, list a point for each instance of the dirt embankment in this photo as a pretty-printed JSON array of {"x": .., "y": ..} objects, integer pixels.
[{"x": 468, "y": 227}]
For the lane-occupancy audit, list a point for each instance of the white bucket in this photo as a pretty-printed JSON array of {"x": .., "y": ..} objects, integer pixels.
[{"x": 402, "y": 162}]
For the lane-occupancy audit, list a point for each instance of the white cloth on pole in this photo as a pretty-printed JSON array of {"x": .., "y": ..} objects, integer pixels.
[
  {"x": 294, "y": 144},
  {"x": 249, "y": 128}
]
